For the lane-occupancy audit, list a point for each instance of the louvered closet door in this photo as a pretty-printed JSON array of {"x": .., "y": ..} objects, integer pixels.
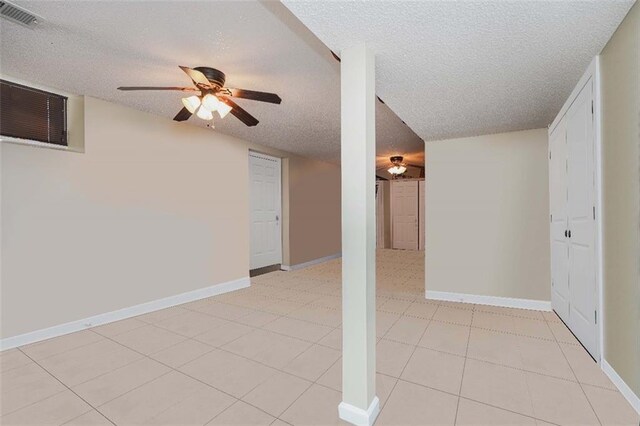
[
  {"x": 558, "y": 208},
  {"x": 581, "y": 214}
]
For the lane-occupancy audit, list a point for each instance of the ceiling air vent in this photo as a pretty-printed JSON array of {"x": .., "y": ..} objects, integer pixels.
[{"x": 18, "y": 14}]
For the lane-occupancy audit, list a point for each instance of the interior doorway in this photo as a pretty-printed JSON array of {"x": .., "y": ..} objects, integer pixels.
[
  {"x": 400, "y": 214},
  {"x": 265, "y": 193}
]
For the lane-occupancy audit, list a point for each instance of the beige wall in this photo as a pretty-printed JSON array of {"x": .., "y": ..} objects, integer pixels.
[
  {"x": 153, "y": 208},
  {"x": 487, "y": 215},
  {"x": 314, "y": 210},
  {"x": 620, "y": 75}
]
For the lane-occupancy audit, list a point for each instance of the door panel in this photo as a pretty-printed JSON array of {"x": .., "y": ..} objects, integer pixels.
[
  {"x": 404, "y": 215},
  {"x": 581, "y": 202},
  {"x": 558, "y": 209},
  {"x": 265, "y": 204}
]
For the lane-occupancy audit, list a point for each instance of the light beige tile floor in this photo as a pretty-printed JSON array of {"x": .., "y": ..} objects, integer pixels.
[{"x": 270, "y": 355}]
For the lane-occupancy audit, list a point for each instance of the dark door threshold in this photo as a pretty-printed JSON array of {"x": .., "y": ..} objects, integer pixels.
[{"x": 264, "y": 270}]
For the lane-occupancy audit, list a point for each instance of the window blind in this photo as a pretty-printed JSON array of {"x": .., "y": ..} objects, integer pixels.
[{"x": 32, "y": 114}]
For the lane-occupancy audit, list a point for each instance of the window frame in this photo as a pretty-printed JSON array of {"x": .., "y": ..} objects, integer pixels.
[{"x": 35, "y": 142}]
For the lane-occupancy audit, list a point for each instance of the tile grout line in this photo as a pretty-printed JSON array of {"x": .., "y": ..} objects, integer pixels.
[
  {"x": 593, "y": 410},
  {"x": 315, "y": 382},
  {"x": 464, "y": 367},
  {"x": 526, "y": 381},
  {"x": 69, "y": 389},
  {"x": 100, "y": 375},
  {"x": 484, "y": 360},
  {"x": 471, "y": 399},
  {"x": 405, "y": 364},
  {"x": 249, "y": 359},
  {"x": 511, "y": 367},
  {"x": 21, "y": 348},
  {"x": 171, "y": 369},
  {"x": 36, "y": 402},
  {"x": 265, "y": 365},
  {"x": 285, "y": 372},
  {"x": 261, "y": 327},
  {"x": 286, "y": 315}
]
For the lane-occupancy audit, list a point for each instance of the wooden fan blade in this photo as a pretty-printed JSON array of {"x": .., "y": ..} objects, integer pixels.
[
  {"x": 183, "y": 115},
  {"x": 240, "y": 113},
  {"x": 196, "y": 76},
  {"x": 255, "y": 96},
  {"x": 182, "y": 89}
]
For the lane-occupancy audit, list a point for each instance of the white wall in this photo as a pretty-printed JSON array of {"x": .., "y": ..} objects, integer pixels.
[
  {"x": 143, "y": 214},
  {"x": 620, "y": 88},
  {"x": 152, "y": 208},
  {"x": 487, "y": 215}
]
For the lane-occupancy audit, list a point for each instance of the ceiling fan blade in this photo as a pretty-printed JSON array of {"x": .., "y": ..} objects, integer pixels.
[
  {"x": 415, "y": 165},
  {"x": 255, "y": 96},
  {"x": 183, "y": 115},
  {"x": 196, "y": 76},
  {"x": 182, "y": 89},
  {"x": 240, "y": 113}
]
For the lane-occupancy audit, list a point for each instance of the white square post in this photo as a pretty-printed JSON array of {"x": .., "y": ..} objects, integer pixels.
[{"x": 360, "y": 405}]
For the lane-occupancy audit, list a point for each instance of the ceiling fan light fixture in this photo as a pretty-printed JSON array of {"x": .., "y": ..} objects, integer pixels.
[
  {"x": 191, "y": 103},
  {"x": 397, "y": 170},
  {"x": 223, "y": 109},
  {"x": 212, "y": 95},
  {"x": 210, "y": 102},
  {"x": 204, "y": 113}
]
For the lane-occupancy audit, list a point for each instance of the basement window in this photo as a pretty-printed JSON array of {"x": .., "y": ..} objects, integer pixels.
[{"x": 32, "y": 115}]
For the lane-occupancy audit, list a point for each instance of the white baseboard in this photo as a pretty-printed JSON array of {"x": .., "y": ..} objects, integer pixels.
[
  {"x": 120, "y": 314},
  {"x": 505, "y": 302},
  {"x": 310, "y": 263},
  {"x": 624, "y": 389},
  {"x": 358, "y": 416}
]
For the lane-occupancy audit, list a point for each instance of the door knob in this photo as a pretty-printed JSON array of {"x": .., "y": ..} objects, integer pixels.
[
  {"x": 566, "y": 233},
  {"x": 569, "y": 233}
]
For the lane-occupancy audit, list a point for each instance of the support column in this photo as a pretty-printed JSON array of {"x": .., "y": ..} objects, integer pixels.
[{"x": 360, "y": 405}]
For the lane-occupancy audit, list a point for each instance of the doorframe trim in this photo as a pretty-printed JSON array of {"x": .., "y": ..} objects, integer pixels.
[
  {"x": 257, "y": 154},
  {"x": 594, "y": 68},
  {"x": 593, "y": 73}
]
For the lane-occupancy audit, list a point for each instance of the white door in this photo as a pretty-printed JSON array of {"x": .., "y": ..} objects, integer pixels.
[
  {"x": 404, "y": 215},
  {"x": 572, "y": 187},
  {"x": 266, "y": 214},
  {"x": 581, "y": 218},
  {"x": 421, "y": 210},
  {"x": 559, "y": 227}
]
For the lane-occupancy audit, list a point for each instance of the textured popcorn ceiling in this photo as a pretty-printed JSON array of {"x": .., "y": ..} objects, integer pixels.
[
  {"x": 93, "y": 47},
  {"x": 463, "y": 68}
]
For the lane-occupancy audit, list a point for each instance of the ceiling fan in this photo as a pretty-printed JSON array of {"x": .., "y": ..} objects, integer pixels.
[
  {"x": 213, "y": 96},
  {"x": 398, "y": 166}
]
